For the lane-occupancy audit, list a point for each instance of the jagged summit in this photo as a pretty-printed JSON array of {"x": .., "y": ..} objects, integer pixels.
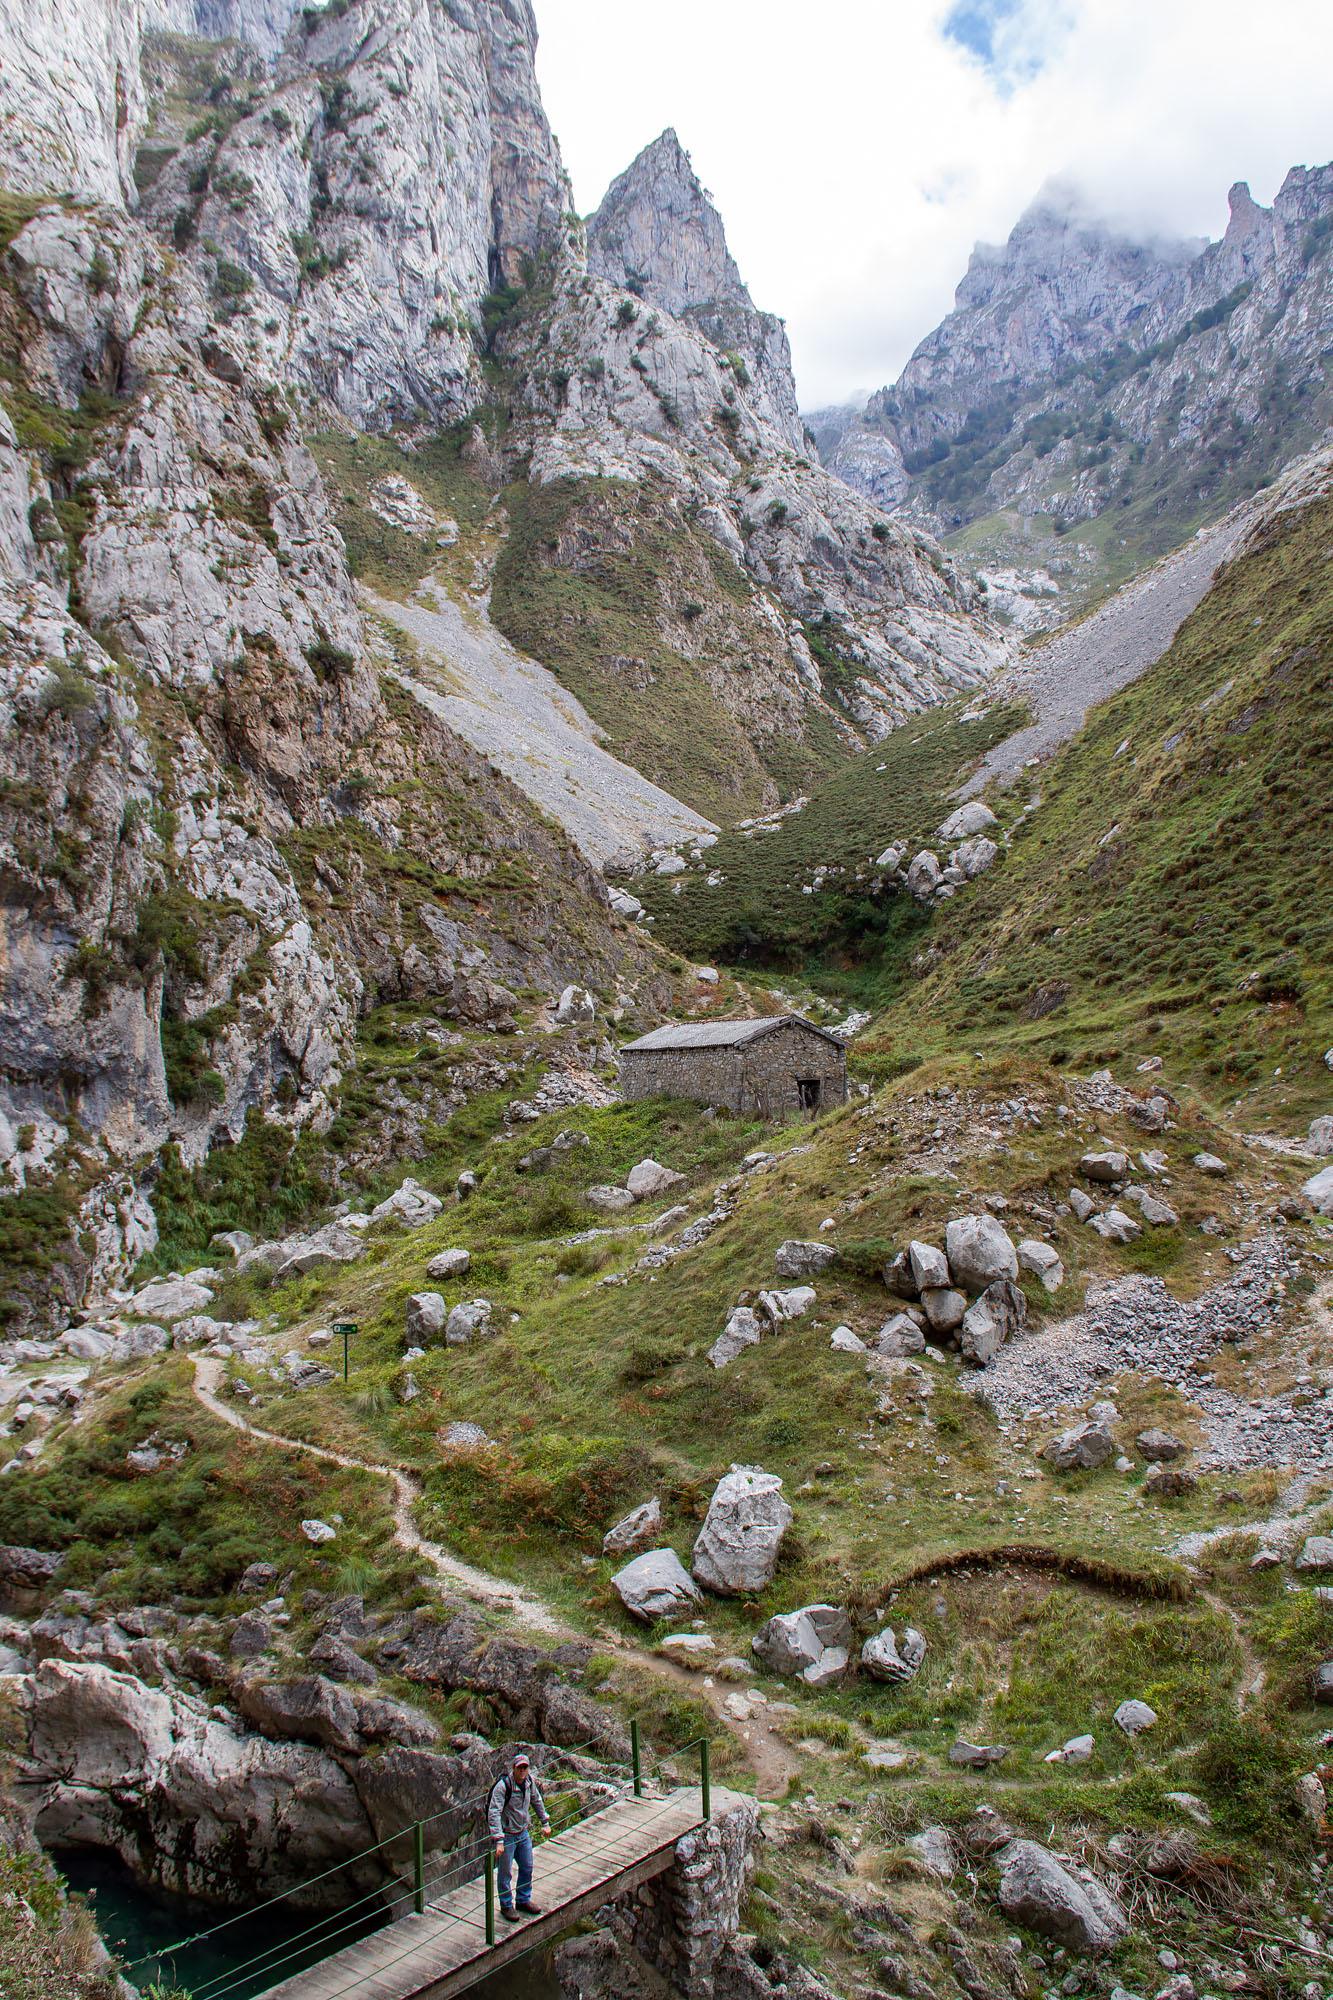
[{"x": 657, "y": 234}]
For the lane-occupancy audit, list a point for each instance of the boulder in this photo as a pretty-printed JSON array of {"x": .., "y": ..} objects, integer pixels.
[
  {"x": 318, "y": 1532},
  {"x": 930, "y": 1271},
  {"x": 966, "y": 820},
  {"x": 466, "y": 1185},
  {"x": 742, "y": 1330},
  {"x": 238, "y": 1241},
  {"x": 898, "y": 1336},
  {"x": 1318, "y": 1190},
  {"x": 781, "y": 1306},
  {"x": 800, "y": 1642},
  {"x": 1116, "y": 1226},
  {"x": 1044, "y": 1895},
  {"x": 576, "y": 1007},
  {"x": 900, "y": 1278},
  {"x": 295, "y": 1255},
  {"x": 977, "y": 1756},
  {"x": 1208, "y": 1163},
  {"x": 1316, "y": 1553},
  {"x": 1321, "y": 1137},
  {"x": 803, "y": 1260},
  {"x": 1083, "y": 1205},
  {"x": 1043, "y": 1261},
  {"x": 624, "y": 904},
  {"x": 656, "y": 1585},
  {"x": 449, "y": 1264},
  {"x": 424, "y": 1317},
  {"x": 1158, "y": 1214},
  {"x": 1158, "y": 1446},
  {"x": 1084, "y": 1447},
  {"x": 312, "y": 1709},
  {"x": 24, "y": 1571},
  {"x": 1077, "y": 1750},
  {"x": 1170, "y": 1480},
  {"x": 334, "y": 1657},
  {"x": 170, "y": 1299},
  {"x": 649, "y": 1179},
  {"x": 979, "y": 1250},
  {"x": 138, "y": 1342},
  {"x": 923, "y": 875},
  {"x": 737, "y": 1549},
  {"x": 885, "y": 1657},
  {"x": 1104, "y": 1167},
  {"x": 633, "y": 1530},
  {"x": 974, "y": 857},
  {"x": 608, "y": 1200},
  {"x": 1134, "y": 1717},
  {"x": 469, "y": 1321},
  {"x": 1321, "y": 1683},
  {"x": 934, "y": 1849},
  {"x": 408, "y": 1207},
  {"x": 990, "y": 1320},
  {"x": 843, "y": 1341},
  {"x": 944, "y": 1309}
]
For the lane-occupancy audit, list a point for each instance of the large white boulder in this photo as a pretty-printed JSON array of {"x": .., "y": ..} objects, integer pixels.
[
  {"x": 979, "y": 1250},
  {"x": 923, "y": 875},
  {"x": 576, "y": 1006},
  {"x": 989, "y": 1321},
  {"x": 408, "y": 1207},
  {"x": 803, "y": 1260},
  {"x": 737, "y": 1549},
  {"x": 656, "y": 1585},
  {"x": 608, "y": 1200},
  {"x": 801, "y": 1642},
  {"x": 424, "y": 1317},
  {"x": 930, "y": 1269},
  {"x": 468, "y": 1321},
  {"x": 650, "y": 1178},
  {"x": 793, "y": 1304},
  {"x": 170, "y": 1299},
  {"x": 1083, "y": 1448},
  {"x": 966, "y": 820},
  {"x": 1319, "y": 1190},
  {"x": 974, "y": 857},
  {"x": 1321, "y": 1137}
]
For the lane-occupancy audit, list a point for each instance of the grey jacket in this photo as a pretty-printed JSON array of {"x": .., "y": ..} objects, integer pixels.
[{"x": 511, "y": 1807}]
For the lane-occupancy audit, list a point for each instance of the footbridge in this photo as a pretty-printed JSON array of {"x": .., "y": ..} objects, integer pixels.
[{"x": 455, "y": 1941}]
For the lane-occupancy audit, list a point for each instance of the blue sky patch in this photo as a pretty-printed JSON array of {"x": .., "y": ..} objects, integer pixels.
[{"x": 1009, "y": 38}]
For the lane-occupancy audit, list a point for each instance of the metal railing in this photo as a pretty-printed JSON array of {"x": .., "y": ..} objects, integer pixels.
[{"x": 470, "y": 1856}]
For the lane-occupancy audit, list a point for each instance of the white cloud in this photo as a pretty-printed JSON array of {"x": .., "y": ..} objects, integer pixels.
[{"x": 857, "y": 153}]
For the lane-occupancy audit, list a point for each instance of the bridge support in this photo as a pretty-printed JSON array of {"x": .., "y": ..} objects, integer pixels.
[{"x": 678, "y": 1923}]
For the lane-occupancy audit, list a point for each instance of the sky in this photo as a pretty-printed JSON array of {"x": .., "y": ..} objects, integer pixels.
[{"x": 858, "y": 150}]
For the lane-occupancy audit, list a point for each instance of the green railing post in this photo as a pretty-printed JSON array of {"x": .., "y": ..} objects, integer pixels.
[
  {"x": 490, "y": 1896},
  {"x": 703, "y": 1775},
  {"x": 419, "y": 1869},
  {"x": 634, "y": 1753}
]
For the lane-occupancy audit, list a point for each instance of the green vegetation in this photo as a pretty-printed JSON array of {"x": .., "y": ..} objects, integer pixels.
[{"x": 591, "y": 580}]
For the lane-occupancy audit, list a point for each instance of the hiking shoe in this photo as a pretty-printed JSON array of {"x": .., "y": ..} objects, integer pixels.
[
  {"x": 531, "y": 1909},
  {"x": 510, "y": 1916}
]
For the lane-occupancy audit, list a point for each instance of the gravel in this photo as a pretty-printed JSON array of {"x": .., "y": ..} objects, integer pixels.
[{"x": 1134, "y": 1324}]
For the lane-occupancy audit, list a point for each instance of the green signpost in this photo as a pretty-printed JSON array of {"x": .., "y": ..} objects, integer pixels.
[{"x": 346, "y": 1327}]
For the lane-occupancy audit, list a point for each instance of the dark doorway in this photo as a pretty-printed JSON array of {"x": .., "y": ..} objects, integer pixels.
[{"x": 808, "y": 1090}]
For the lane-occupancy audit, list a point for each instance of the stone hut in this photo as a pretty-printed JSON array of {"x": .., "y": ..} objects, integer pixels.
[{"x": 772, "y": 1068}]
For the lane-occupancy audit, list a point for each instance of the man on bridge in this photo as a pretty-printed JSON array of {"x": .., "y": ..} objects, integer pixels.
[{"x": 509, "y": 1820}]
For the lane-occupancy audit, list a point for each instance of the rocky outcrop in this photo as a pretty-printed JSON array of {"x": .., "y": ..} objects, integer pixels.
[
  {"x": 658, "y": 236},
  {"x": 1084, "y": 367}
]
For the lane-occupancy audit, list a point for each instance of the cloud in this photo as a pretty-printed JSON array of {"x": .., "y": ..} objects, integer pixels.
[{"x": 857, "y": 153}]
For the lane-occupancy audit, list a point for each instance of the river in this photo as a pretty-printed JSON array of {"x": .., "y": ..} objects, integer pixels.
[{"x": 147, "y": 1932}]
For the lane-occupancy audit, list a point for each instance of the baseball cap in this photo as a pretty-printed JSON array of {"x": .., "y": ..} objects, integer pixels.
[{"x": 522, "y": 1760}]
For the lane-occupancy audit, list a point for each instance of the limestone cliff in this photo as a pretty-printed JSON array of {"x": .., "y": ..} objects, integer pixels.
[{"x": 1084, "y": 370}]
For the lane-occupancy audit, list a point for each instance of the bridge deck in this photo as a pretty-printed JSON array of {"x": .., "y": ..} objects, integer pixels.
[{"x": 434, "y": 1956}]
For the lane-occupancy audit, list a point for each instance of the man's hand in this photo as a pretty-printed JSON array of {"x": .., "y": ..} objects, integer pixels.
[{"x": 499, "y": 1850}]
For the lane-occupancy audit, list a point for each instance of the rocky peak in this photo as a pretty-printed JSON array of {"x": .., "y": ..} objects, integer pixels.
[{"x": 658, "y": 235}]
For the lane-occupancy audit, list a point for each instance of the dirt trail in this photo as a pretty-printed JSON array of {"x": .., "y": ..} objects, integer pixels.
[{"x": 768, "y": 1754}]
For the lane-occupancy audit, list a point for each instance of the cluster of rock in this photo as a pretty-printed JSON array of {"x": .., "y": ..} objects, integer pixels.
[
  {"x": 980, "y": 1263},
  {"x": 1085, "y": 1447},
  {"x": 930, "y": 881},
  {"x": 735, "y": 1554}
]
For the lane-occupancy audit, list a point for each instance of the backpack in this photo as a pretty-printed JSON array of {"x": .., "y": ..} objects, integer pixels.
[{"x": 509, "y": 1789}]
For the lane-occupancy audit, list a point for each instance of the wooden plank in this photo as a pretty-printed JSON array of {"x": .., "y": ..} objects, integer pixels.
[{"x": 444, "y": 1952}]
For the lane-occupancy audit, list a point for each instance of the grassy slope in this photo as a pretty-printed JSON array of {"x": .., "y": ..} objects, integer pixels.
[
  {"x": 1167, "y": 897},
  {"x": 592, "y": 580}
]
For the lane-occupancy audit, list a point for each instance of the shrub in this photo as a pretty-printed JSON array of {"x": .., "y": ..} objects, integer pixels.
[{"x": 230, "y": 281}]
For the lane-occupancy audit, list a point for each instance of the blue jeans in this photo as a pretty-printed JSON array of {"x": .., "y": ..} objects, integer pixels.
[{"x": 518, "y": 1848}]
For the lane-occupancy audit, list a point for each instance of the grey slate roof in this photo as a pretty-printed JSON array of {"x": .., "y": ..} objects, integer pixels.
[{"x": 723, "y": 1034}]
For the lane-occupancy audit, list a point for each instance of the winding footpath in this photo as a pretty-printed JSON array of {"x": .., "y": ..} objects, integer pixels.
[{"x": 767, "y": 1753}]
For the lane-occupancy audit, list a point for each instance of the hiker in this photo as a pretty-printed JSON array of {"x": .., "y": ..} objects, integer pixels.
[{"x": 509, "y": 1818}]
